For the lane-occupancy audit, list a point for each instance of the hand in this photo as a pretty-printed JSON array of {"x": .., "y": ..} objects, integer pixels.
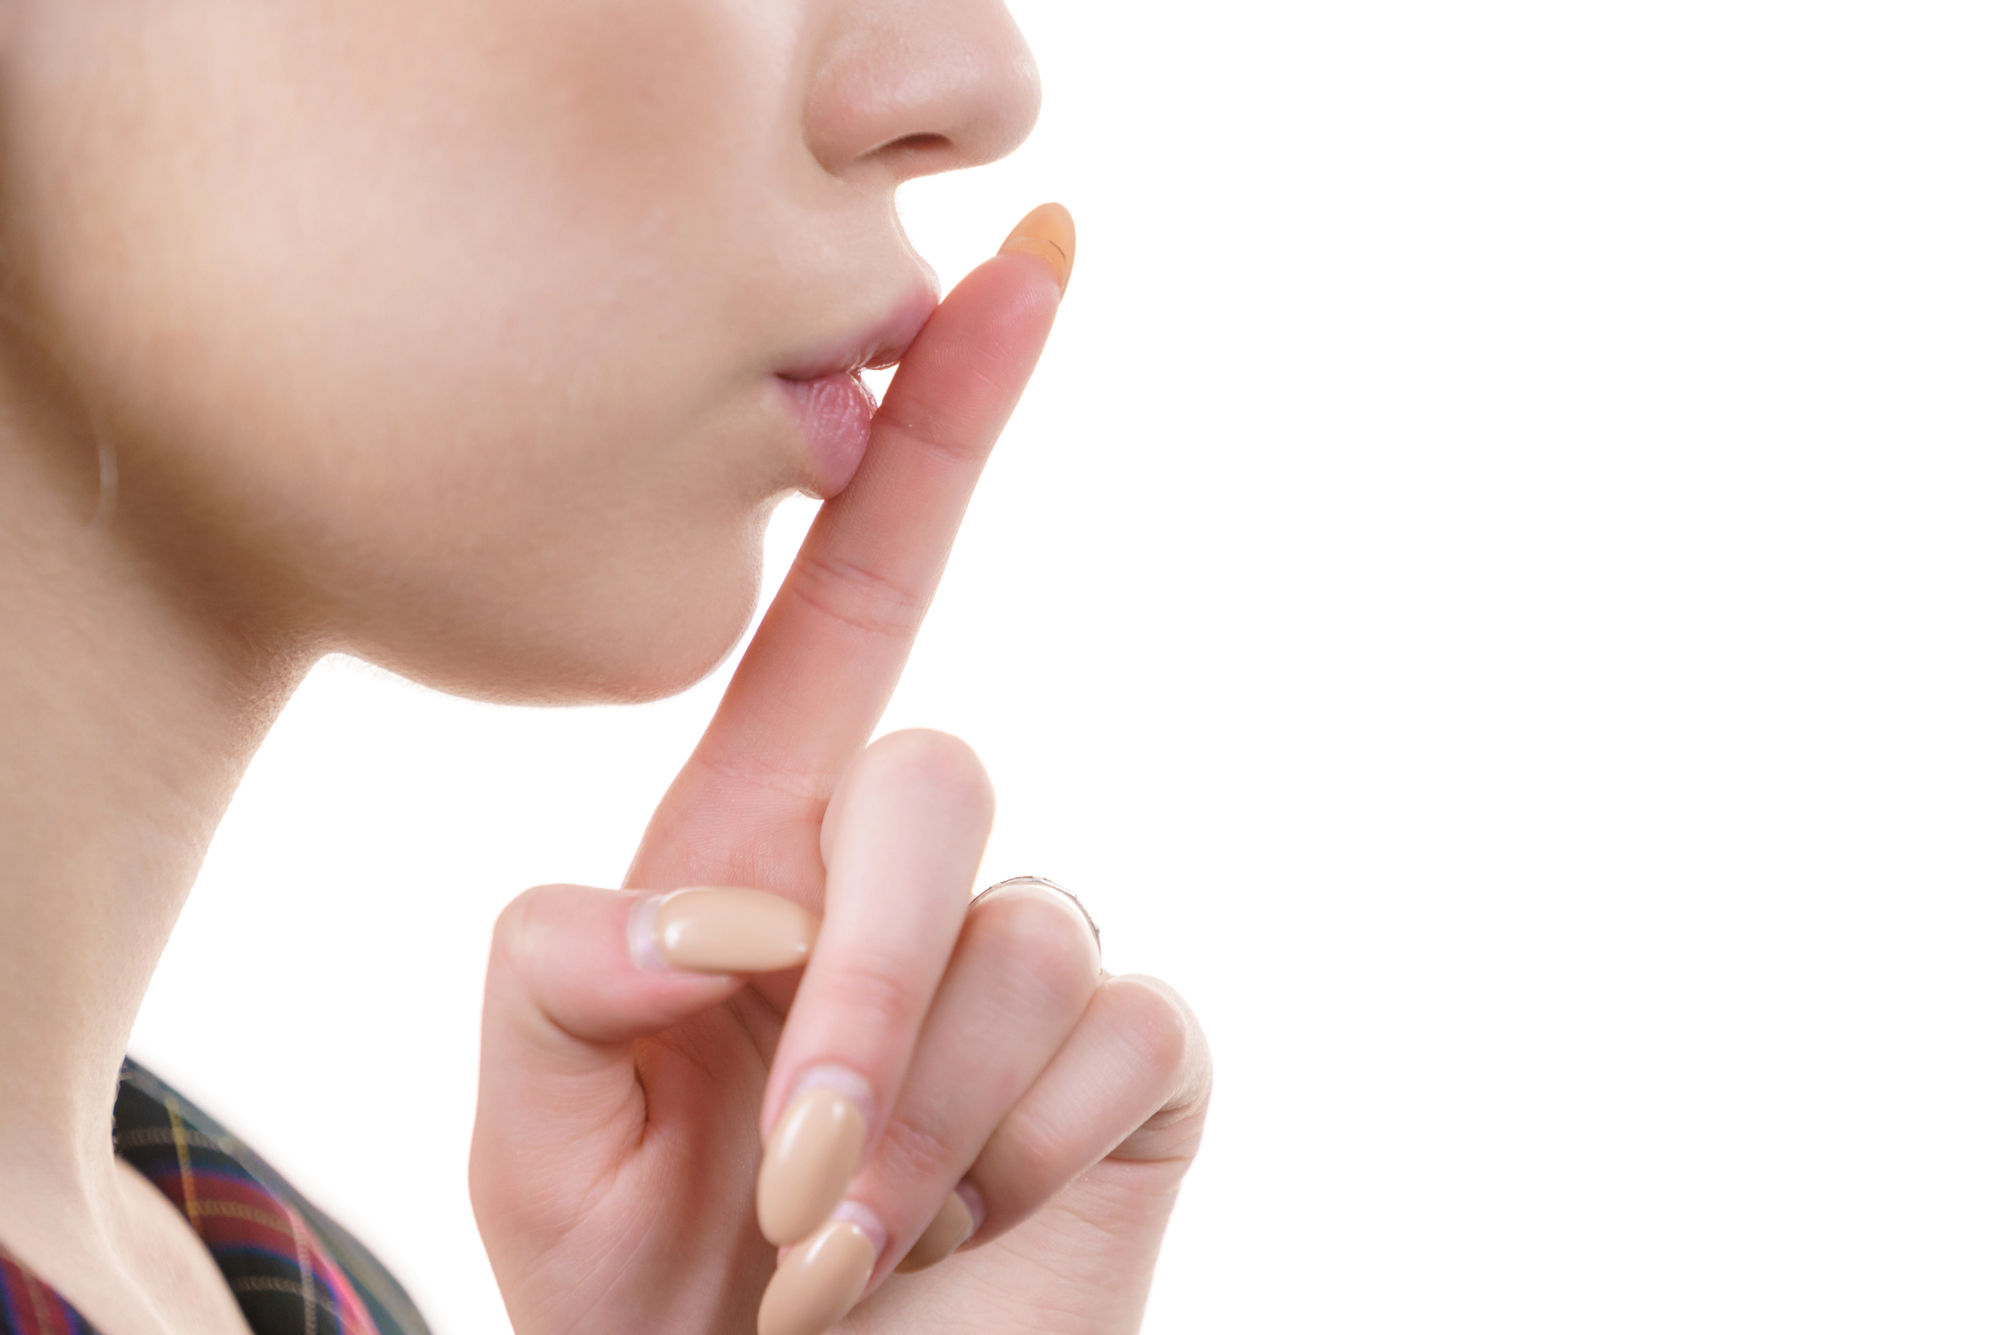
[{"x": 928, "y": 1064}]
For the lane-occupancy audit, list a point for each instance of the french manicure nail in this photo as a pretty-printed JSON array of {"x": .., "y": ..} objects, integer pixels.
[
  {"x": 953, "y": 1225},
  {"x": 1050, "y": 233},
  {"x": 819, "y": 1280},
  {"x": 721, "y": 929},
  {"x": 813, "y": 1155}
]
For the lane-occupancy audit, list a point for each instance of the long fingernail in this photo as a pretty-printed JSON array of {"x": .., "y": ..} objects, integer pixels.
[
  {"x": 953, "y": 1225},
  {"x": 720, "y": 929},
  {"x": 813, "y": 1154},
  {"x": 1050, "y": 233},
  {"x": 818, "y": 1281}
]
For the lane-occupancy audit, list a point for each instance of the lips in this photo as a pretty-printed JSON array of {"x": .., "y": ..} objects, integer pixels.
[
  {"x": 835, "y": 411},
  {"x": 833, "y": 406}
]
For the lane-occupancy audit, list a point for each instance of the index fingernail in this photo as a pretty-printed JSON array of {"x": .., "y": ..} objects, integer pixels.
[
  {"x": 1049, "y": 233},
  {"x": 720, "y": 929}
]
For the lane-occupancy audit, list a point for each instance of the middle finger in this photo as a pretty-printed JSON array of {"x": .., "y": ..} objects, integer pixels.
[
  {"x": 1023, "y": 974},
  {"x": 904, "y": 838}
]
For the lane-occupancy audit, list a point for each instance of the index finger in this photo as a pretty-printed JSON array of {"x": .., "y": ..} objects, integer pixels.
[{"x": 820, "y": 670}]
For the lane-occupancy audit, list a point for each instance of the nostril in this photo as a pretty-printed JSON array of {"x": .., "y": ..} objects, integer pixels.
[{"x": 914, "y": 145}]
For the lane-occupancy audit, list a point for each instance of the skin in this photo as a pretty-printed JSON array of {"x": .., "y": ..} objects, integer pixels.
[{"x": 446, "y": 335}]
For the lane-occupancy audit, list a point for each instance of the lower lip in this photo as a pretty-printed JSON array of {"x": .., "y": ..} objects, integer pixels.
[{"x": 835, "y": 411}]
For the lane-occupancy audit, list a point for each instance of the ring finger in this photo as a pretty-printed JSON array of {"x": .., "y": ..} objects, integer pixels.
[
  {"x": 1020, "y": 976},
  {"x": 1024, "y": 971}
]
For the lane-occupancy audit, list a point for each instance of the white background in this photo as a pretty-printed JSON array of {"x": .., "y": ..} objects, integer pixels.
[{"x": 1492, "y": 593}]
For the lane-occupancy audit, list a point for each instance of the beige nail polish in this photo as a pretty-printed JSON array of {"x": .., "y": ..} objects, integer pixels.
[
  {"x": 730, "y": 929},
  {"x": 952, "y": 1226},
  {"x": 812, "y": 1157},
  {"x": 1050, "y": 233},
  {"x": 818, "y": 1282}
]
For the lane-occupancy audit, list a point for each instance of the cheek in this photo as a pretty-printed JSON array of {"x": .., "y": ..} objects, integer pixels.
[{"x": 430, "y": 342}]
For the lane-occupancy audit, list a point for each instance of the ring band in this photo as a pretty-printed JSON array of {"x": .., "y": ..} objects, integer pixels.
[{"x": 1046, "y": 883}]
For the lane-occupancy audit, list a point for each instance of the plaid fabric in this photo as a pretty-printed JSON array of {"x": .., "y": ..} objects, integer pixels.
[
  {"x": 32, "y": 1307},
  {"x": 293, "y": 1270}
]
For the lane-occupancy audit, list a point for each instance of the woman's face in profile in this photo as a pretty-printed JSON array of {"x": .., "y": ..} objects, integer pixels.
[{"x": 474, "y": 336}]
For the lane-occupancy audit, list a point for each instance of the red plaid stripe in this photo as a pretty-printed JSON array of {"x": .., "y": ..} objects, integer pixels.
[{"x": 31, "y": 1307}]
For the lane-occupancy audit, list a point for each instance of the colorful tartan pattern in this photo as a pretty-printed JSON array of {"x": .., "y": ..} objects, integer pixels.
[
  {"x": 32, "y": 1307},
  {"x": 293, "y": 1270}
]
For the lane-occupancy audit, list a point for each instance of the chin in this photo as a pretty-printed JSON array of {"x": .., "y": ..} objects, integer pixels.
[
  {"x": 582, "y": 651},
  {"x": 529, "y": 674}
]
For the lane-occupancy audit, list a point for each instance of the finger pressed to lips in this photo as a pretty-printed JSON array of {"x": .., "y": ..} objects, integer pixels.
[{"x": 815, "y": 678}]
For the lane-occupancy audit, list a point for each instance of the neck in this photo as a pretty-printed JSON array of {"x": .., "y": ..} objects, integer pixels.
[{"x": 127, "y": 723}]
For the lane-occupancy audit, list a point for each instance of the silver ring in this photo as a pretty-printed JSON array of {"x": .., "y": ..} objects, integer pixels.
[{"x": 1044, "y": 881}]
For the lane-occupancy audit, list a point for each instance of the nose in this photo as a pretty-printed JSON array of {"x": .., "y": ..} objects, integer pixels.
[{"x": 919, "y": 86}]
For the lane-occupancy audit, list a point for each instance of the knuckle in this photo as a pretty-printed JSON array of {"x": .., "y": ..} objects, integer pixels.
[
  {"x": 1042, "y": 942},
  {"x": 938, "y": 757},
  {"x": 1032, "y": 1139},
  {"x": 1158, "y": 1024},
  {"x": 757, "y": 790},
  {"x": 934, "y": 767},
  {"x": 915, "y": 1152},
  {"x": 932, "y": 427},
  {"x": 514, "y": 930},
  {"x": 857, "y": 597},
  {"x": 870, "y": 989},
  {"x": 1169, "y": 1042}
]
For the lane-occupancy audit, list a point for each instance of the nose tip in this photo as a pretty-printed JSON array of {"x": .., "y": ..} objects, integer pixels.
[{"x": 922, "y": 86}]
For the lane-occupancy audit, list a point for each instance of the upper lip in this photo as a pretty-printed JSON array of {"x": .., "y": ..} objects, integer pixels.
[{"x": 881, "y": 344}]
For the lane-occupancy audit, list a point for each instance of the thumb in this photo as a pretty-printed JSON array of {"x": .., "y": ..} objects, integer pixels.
[
  {"x": 578, "y": 977},
  {"x": 578, "y": 974}
]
